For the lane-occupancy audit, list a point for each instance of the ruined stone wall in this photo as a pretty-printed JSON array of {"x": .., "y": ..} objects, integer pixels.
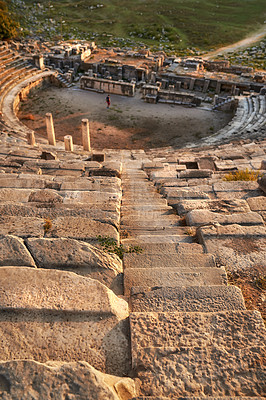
[{"x": 107, "y": 86}]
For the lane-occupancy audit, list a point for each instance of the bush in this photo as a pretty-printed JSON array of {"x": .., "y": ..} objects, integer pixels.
[
  {"x": 109, "y": 245},
  {"x": 242, "y": 175}
]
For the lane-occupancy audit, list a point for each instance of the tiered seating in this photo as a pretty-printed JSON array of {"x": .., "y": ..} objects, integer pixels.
[
  {"x": 250, "y": 117},
  {"x": 13, "y": 69}
]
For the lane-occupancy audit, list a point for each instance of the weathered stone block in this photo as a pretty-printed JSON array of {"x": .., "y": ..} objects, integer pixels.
[
  {"x": 60, "y": 316},
  {"x": 24, "y": 379},
  {"x": 192, "y": 299},
  {"x": 14, "y": 252},
  {"x": 228, "y": 206},
  {"x": 22, "y": 226},
  {"x": 195, "y": 173},
  {"x": 79, "y": 257},
  {"x": 172, "y": 277},
  {"x": 201, "y": 217},
  {"x": 257, "y": 203},
  {"x": 166, "y": 261},
  {"x": 235, "y": 246}
]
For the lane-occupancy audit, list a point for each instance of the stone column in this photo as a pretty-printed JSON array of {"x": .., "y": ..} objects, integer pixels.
[
  {"x": 86, "y": 135},
  {"x": 50, "y": 129},
  {"x": 31, "y": 138},
  {"x": 68, "y": 143},
  {"x": 191, "y": 84},
  {"x": 206, "y": 85},
  {"x": 218, "y": 87}
]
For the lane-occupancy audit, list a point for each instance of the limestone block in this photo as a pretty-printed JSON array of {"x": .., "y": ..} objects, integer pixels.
[
  {"x": 201, "y": 217},
  {"x": 257, "y": 203},
  {"x": 171, "y": 353},
  {"x": 49, "y": 164},
  {"x": 169, "y": 248},
  {"x": 235, "y": 246},
  {"x": 174, "y": 195},
  {"x": 15, "y": 195},
  {"x": 45, "y": 196},
  {"x": 172, "y": 277},
  {"x": 236, "y": 190},
  {"x": 84, "y": 184},
  {"x": 60, "y": 316},
  {"x": 22, "y": 183},
  {"x": 25, "y": 379},
  {"x": 165, "y": 261},
  {"x": 37, "y": 289},
  {"x": 80, "y": 257},
  {"x": 222, "y": 206},
  {"x": 195, "y": 173},
  {"x": 226, "y": 165},
  {"x": 91, "y": 197},
  {"x": 21, "y": 226},
  {"x": 262, "y": 183},
  {"x": 163, "y": 174},
  {"x": 81, "y": 228},
  {"x": 14, "y": 252},
  {"x": 192, "y": 299},
  {"x": 263, "y": 164}
]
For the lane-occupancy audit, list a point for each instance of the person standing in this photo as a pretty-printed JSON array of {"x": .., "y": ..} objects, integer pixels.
[{"x": 108, "y": 101}]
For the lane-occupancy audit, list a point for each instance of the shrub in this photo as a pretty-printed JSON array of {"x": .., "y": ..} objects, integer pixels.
[
  {"x": 47, "y": 225},
  {"x": 242, "y": 175},
  {"x": 110, "y": 245}
]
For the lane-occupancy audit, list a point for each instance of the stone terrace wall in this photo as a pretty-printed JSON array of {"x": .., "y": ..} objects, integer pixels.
[{"x": 107, "y": 86}]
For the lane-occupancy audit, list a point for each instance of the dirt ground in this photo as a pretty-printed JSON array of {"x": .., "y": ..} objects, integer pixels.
[{"x": 130, "y": 123}]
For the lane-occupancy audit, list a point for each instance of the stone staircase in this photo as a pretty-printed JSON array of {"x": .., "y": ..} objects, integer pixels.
[{"x": 189, "y": 328}]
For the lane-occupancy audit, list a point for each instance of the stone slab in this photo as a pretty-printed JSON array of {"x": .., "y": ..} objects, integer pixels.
[
  {"x": 81, "y": 228},
  {"x": 86, "y": 184},
  {"x": 257, "y": 203},
  {"x": 155, "y": 239},
  {"x": 25, "y": 288},
  {"x": 195, "y": 173},
  {"x": 77, "y": 380},
  {"x": 170, "y": 248},
  {"x": 79, "y": 257},
  {"x": 22, "y": 183},
  {"x": 173, "y": 277},
  {"x": 14, "y": 252},
  {"x": 15, "y": 195},
  {"x": 196, "y": 353},
  {"x": 221, "y": 206},
  {"x": 64, "y": 335},
  {"x": 201, "y": 217},
  {"x": 174, "y": 195},
  {"x": 235, "y": 246},
  {"x": 21, "y": 226},
  {"x": 92, "y": 197},
  {"x": 168, "y": 261},
  {"x": 192, "y": 299}
]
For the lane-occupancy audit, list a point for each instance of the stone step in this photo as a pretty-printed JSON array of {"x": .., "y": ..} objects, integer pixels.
[
  {"x": 151, "y": 223},
  {"x": 155, "y": 239},
  {"x": 169, "y": 248},
  {"x": 165, "y": 261},
  {"x": 173, "y": 277},
  {"x": 225, "y": 206},
  {"x": 201, "y": 217},
  {"x": 199, "y": 354},
  {"x": 192, "y": 299},
  {"x": 61, "y": 316},
  {"x": 197, "y": 398}
]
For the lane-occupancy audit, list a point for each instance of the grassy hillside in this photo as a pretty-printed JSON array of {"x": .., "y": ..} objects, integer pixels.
[{"x": 175, "y": 24}]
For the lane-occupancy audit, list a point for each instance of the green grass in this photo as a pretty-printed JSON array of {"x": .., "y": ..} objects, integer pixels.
[{"x": 202, "y": 24}]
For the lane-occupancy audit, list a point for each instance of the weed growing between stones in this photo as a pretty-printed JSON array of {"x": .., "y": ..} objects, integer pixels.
[
  {"x": 47, "y": 225},
  {"x": 110, "y": 246},
  {"x": 242, "y": 175}
]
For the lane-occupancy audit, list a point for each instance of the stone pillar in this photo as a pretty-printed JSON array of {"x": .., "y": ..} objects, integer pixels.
[
  {"x": 177, "y": 86},
  {"x": 218, "y": 87},
  {"x": 50, "y": 129},
  {"x": 206, "y": 85},
  {"x": 86, "y": 135},
  {"x": 31, "y": 138},
  {"x": 215, "y": 100},
  {"x": 38, "y": 61},
  {"x": 153, "y": 77},
  {"x": 68, "y": 143},
  {"x": 233, "y": 90},
  {"x": 191, "y": 84}
]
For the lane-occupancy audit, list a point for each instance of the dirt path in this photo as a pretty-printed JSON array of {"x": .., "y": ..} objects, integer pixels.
[
  {"x": 130, "y": 123},
  {"x": 255, "y": 37}
]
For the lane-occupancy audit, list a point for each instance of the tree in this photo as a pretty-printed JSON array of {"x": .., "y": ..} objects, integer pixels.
[{"x": 8, "y": 27}]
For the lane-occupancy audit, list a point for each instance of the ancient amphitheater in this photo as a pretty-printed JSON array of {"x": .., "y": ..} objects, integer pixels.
[{"x": 77, "y": 322}]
